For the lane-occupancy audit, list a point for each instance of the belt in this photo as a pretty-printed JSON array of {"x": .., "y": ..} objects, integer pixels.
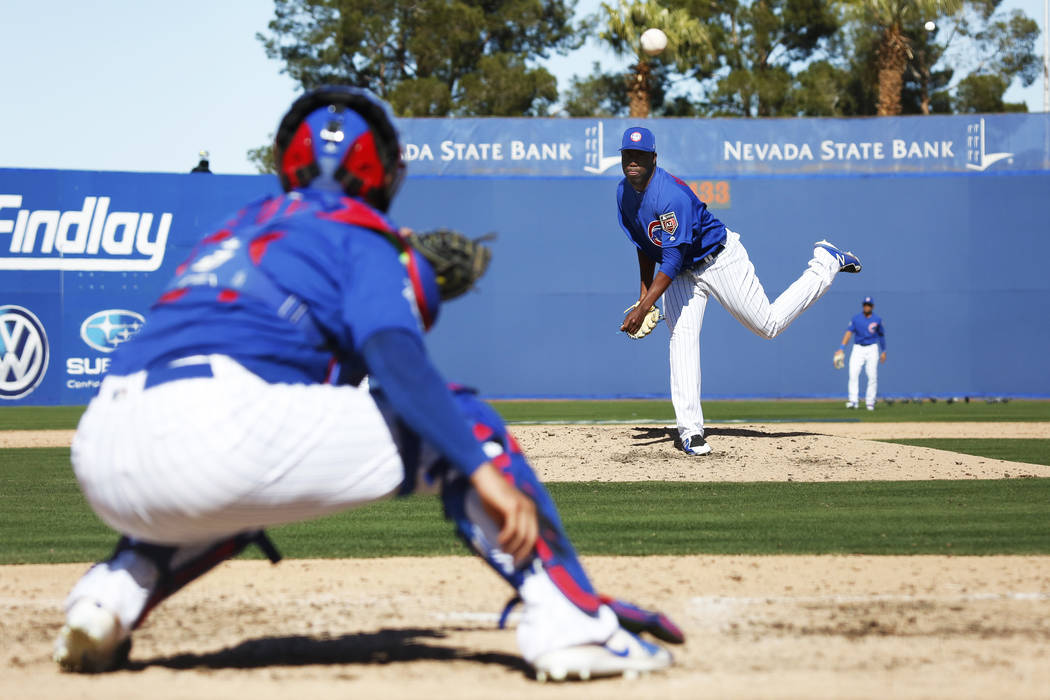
[
  {"x": 710, "y": 258},
  {"x": 172, "y": 373}
]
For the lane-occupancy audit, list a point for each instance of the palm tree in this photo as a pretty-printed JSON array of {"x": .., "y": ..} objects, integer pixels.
[
  {"x": 687, "y": 40},
  {"x": 894, "y": 52}
]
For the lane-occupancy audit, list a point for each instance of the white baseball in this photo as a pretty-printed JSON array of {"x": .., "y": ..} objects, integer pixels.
[
  {"x": 653, "y": 41},
  {"x": 930, "y": 25}
]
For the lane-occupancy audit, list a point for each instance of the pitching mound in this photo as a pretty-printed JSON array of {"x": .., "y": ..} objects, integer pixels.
[{"x": 769, "y": 452}]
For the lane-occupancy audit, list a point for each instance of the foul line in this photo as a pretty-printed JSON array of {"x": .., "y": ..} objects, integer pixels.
[
  {"x": 874, "y": 598},
  {"x": 670, "y": 421},
  {"x": 716, "y": 601}
]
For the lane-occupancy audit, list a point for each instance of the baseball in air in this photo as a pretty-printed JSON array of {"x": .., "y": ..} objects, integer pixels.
[
  {"x": 653, "y": 41},
  {"x": 930, "y": 25}
]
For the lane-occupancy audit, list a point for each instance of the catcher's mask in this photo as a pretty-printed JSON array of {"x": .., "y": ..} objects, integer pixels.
[{"x": 340, "y": 138}]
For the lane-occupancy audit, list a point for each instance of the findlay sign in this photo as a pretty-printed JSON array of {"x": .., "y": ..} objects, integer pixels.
[
  {"x": 89, "y": 238},
  {"x": 725, "y": 147}
]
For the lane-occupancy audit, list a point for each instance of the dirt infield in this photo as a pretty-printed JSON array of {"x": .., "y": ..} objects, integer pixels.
[
  {"x": 777, "y": 627},
  {"x": 409, "y": 628}
]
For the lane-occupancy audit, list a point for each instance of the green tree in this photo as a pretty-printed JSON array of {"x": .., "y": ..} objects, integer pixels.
[
  {"x": 622, "y": 26},
  {"x": 984, "y": 93},
  {"x": 599, "y": 94},
  {"x": 769, "y": 37},
  {"x": 821, "y": 90},
  {"x": 427, "y": 57},
  {"x": 262, "y": 158},
  {"x": 997, "y": 49},
  {"x": 893, "y": 21},
  {"x": 967, "y": 38},
  {"x": 603, "y": 94}
]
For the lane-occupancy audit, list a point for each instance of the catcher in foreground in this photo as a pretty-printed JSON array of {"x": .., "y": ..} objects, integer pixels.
[{"x": 229, "y": 421}]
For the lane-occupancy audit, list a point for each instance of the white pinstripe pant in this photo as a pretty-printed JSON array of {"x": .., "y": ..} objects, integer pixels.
[
  {"x": 201, "y": 459},
  {"x": 731, "y": 280}
]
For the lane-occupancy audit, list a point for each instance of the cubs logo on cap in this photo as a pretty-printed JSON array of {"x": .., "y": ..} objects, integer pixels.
[
  {"x": 638, "y": 138},
  {"x": 869, "y": 300}
]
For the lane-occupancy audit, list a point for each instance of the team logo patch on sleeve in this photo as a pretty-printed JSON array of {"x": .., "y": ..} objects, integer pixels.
[{"x": 669, "y": 222}]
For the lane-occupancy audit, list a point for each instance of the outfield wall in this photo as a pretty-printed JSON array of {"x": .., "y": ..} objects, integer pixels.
[{"x": 950, "y": 222}]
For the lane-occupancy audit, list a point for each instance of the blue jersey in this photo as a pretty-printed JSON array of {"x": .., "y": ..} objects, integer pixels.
[
  {"x": 867, "y": 330},
  {"x": 286, "y": 287},
  {"x": 295, "y": 285},
  {"x": 668, "y": 214}
]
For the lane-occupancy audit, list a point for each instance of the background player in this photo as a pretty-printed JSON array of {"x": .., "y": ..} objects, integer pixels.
[
  {"x": 217, "y": 421},
  {"x": 869, "y": 349},
  {"x": 699, "y": 257}
]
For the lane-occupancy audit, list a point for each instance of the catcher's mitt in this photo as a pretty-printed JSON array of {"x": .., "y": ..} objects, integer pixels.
[
  {"x": 458, "y": 261},
  {"x": 648, "y": 323},
  {"x": 839, "y": 359}
]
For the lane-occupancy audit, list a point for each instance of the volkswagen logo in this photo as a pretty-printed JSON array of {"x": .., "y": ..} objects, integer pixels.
[
  {"x": 105, "y": 330},
  {"x": 23, "y": 352}
]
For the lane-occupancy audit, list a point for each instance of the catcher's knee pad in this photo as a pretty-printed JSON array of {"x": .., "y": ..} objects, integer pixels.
[
  {"x": 177, "y": 566},
  {"x": 463, "y": 507}
]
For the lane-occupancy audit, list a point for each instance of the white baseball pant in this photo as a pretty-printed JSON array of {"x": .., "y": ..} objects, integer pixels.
[
  {"x": 195, "y": 461},
  {"x": 732, "y": 281},
  {"x": 866, "y": 356}
]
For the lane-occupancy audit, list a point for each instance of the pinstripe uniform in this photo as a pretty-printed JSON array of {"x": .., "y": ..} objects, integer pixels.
[
  {"x": 714, "y": 263},
  {"x": 730, "y": 278}
]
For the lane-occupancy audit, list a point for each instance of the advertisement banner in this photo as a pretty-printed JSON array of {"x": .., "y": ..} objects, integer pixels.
[{"x": 723, "y": 147}]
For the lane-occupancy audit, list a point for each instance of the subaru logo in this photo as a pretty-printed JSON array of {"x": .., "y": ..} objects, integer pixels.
[
  {"x": 23, "y": 352},
  {"x": 105, "y": 330}
]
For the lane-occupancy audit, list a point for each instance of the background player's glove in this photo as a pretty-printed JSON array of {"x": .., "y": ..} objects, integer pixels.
[
  {"x": 648, "y": 324},
  {"x": 839, "y": 359},
  {"x": 458, "y": 261}
]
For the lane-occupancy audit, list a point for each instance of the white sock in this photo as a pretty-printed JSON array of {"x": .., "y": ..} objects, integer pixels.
[{"x": 121, "y": 586}]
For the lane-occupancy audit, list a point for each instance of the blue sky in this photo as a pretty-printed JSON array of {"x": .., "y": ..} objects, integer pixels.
[{"x": 142, "y": 86}]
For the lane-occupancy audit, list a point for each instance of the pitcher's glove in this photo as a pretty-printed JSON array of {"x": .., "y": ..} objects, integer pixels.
[
  {"x": 458, "y": 261},
  {"x": 839, "y": 359},
  {"x": 648, "y": 324}
]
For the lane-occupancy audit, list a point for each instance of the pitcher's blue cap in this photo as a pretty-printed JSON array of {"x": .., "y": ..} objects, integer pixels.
[
  {"x": 638, "y": 138},
  {"x": 869, "y": 300}
]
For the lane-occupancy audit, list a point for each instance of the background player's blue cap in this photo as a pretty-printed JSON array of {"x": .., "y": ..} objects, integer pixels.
[
  {"x": 869, "y": 300},
  {"x": 638, "y": 138}
]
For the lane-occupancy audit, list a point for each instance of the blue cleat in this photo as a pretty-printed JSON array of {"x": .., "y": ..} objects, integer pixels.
[
  {"x": 848, "y": 262},
  {"x": 695, "y": 445}
]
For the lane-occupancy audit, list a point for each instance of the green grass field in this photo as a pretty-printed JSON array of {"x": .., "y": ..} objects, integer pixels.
[
  {"x": 66, "y": 417},
  {"x": 758, "y": 411},
  {"x": 1031, "y": 450},
  {"x": 45, "y": 518}
]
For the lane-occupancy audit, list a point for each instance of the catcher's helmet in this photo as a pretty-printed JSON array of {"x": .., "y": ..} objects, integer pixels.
[{"x": 342, "y": 138}]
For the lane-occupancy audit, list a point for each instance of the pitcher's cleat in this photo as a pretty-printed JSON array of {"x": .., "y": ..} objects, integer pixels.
[
  {"x": 847, "y": 261},
  {"x": 622, "y": 655},
  {"x": 695, "y": 445},
  {"x": 92, "y": 640}
]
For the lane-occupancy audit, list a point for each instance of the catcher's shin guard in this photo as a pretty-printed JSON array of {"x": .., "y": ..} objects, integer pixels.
[
  {"x": 463, "y": 506},
  {"x": 554, "y": 551},
  {"x": 177, "y": 566}
]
